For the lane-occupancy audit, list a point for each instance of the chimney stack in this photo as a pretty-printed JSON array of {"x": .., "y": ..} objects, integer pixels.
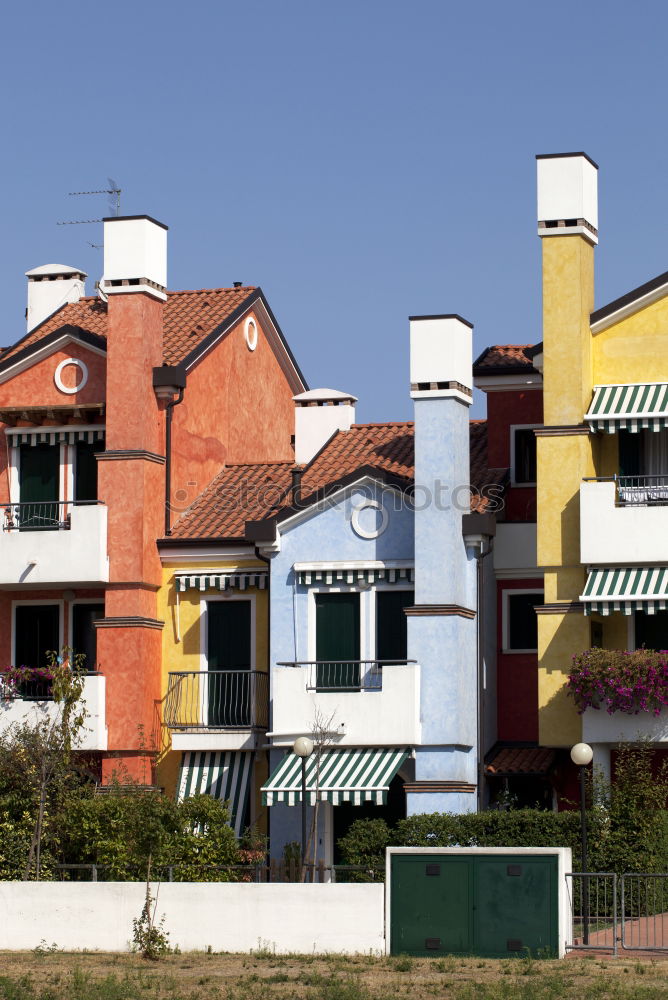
[
  {"x": 135, "y": 256},
  {"x": 50, "y": 287},
  {"x": 319, "y": 414},
  {"x": 440, "y": 359},
  {"x": 567, "y": 195}
]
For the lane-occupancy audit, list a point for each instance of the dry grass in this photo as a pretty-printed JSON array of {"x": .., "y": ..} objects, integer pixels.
[{"x": 47, "y": 975}]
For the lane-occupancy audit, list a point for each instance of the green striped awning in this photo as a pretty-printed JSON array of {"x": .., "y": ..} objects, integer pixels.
[
  {"x": 212, "y": 580},
  {"x": 54, "y": 435},
  {"x": 627, "y": 589},
  {"x": 634, "y": 407},
  {"x": 224, "y": 775},
  {"x": 338, "y": 575},
  {"x": 357, "y": 776}
]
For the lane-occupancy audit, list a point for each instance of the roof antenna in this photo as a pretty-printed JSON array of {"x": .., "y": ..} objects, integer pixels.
[{"x": 114, "y": 204}]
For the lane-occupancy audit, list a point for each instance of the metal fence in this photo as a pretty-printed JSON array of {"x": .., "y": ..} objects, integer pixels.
[
  {"x": 345, "y": 675},
  {"x": 43, "y": 516},
  {"x": 217, "y": 699},
  {"x": 608, "y": 910},
  {"x": 275, "y": 871}
]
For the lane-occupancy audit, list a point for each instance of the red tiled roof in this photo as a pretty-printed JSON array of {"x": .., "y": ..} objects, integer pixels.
[
  {"x": 189, "y": 318},
  {"x": 503, "y": 358},
  {"x": 521, "y": 760},
  {"x": 243, "y": 493}
]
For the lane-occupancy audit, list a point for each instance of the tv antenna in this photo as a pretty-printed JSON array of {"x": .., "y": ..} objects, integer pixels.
[{"x": 113, "y": 201}]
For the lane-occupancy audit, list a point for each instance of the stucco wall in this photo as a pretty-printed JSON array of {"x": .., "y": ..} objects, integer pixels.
[{"x": 225, "y": 917}]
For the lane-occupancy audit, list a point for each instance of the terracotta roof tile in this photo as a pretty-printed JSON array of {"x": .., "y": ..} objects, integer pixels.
[
  {"x": 521, "y": 760},
  {"x": 188, "y": 319},
  {"x": 502, "y": 358},
  {"x": 243, "y": 493}
]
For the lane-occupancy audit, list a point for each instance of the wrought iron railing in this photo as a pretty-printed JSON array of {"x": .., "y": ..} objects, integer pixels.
[
  {"x": 345, "y": 675},
  {"x": 31, "y": 688},
  {"x": 645, "y": 491},
  {"x": 47, "y": 515},
  {"x": 217, "y": 699}
]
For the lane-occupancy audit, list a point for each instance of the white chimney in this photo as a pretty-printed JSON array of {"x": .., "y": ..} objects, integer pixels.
[
  {"x": 135, "y": 256},
  {"x": 320, "y": 413},
  {"x": 440, "y": 359},
  {"x": 50, "y": 287},
  {"x": 567, "y": 195}
]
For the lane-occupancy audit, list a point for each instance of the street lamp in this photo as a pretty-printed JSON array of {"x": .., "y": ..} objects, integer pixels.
[
  {"x": 303, "y": 747},
  {"x": 581, "y": 755}
]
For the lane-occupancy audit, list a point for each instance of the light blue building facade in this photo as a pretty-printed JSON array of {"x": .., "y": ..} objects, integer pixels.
[{"x": 376, "y": 574}]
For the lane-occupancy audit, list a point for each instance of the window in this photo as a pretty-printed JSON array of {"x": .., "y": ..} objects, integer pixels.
[
  {"x": 348, "y": 653},
  {"x": 520, "y": 624},
  {"x": 36, "y": 633},
  {"x": 227, "y": 690},
  {"x": 523, "y": 455},
  {"x": 85, "y": 470},
  {"x": 651, "y": 631},
  {"x": 84, "y": 633},
  {"x": 392, "y": 624}
]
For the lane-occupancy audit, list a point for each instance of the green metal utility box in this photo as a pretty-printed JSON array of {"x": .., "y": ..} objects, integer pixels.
[{"x": 494, "y": 902}]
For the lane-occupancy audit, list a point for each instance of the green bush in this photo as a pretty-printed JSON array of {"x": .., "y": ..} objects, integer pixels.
[{"x": 627, "y": 828}]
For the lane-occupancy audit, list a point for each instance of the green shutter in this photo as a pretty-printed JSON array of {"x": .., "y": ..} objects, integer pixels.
[
  {"x": 229, "y": 649},
  {"x": 85, "y": 470},
  {"x": 337, "y": 630},
  {"x": 391, "y": 623}
]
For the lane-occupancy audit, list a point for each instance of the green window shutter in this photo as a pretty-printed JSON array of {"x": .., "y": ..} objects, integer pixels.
[
  {"x": 391, "y": 623},
  {"x": 229, "y": 649},
  {"x": 337, "y": 639}
]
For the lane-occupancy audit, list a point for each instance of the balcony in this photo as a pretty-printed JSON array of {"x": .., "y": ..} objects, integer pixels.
[
  {"x": 33, "y": 703},
  {"x": 217, "y": 709},
  {"x": 624, "y": 520},
  {"x": 370, "y": 702},
  {"x": 48, "y": 543},
  {"x": 599, "y": 727}
]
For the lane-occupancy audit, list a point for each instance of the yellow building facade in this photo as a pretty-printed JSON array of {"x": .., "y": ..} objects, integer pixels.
[
  {"x": 602, "y": 455},
  {"x": 215, "y": 679}
]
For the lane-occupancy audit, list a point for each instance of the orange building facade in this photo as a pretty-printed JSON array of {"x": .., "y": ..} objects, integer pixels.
[{"x": 116, "y": 412}]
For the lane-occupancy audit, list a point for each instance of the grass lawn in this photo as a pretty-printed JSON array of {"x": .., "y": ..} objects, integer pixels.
[{"x": 52, "y": 975}]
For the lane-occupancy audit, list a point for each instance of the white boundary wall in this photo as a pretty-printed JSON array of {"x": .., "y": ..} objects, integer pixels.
[{"x": 226, "y": 917}]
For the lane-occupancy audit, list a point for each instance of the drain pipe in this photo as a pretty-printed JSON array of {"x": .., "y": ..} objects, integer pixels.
[
  {"x": 169, "y": 383},
  {"x": 478, "y": 529}
]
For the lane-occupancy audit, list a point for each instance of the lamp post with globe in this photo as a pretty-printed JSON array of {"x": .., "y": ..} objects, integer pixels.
[
  {"x": 303, "y": 747},
  {"x": 581, "y": 755}
]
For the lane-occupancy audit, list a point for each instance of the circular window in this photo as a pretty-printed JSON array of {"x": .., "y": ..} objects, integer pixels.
[
  {"x": 69, "y": 390},
  {"x": 250, "y": 330},
  {"x": 369, "y": 530}
]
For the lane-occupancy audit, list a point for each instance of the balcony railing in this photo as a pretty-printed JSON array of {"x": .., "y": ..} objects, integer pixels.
[
  {"x": 345, "y": 675},
  {"x": 645, "y": 491},
  {"x": 217, "y": 699},
  {"x": 47, "y": 515},
  {"x": 32, "y": 688}
]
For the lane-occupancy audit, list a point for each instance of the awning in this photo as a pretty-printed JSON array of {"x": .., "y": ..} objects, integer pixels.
[
  {"x": 215, "y": 580},
  {"x": 627, "y": 589},
  {"x": 353, "y": 575},
  {"x": 508, "y": 761},
  {"x": 224, "y": 776},
  {"x": 632, "y": 407},
  {"x": 54, "y": 435},
  {"x": 357, "y": 776}
]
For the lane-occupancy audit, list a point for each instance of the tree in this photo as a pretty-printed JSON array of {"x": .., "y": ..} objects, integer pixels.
[{"x": 36, "y": 756}]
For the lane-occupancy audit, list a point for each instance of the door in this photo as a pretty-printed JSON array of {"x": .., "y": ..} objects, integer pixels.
[
  {"x": 228, "y": 694},
  {"x": 39, "y": 474},
  {"x": 337, "y": 642},
  {"x": 36, "y": 632},
  {"x": 516, "y": 906},
  {"x": 432, "y": 910},
  {"x": 84, "y": 633}
]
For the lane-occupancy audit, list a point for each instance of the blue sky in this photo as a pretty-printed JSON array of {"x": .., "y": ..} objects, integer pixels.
[{"x": 362, "y": 162}]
